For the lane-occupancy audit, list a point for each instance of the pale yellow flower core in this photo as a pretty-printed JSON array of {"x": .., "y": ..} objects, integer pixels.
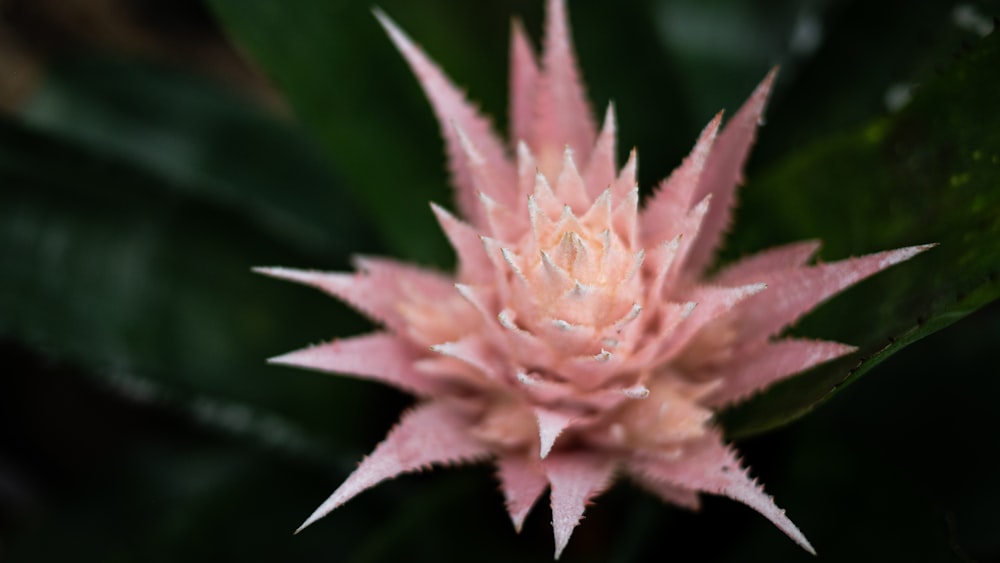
[{"x": 575, "y": 273}]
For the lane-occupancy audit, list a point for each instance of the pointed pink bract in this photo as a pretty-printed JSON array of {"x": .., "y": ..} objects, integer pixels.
[
  {"x": 523, "y": 84},
  {"x": 523, "y": 481},
  {"x": 563, "y": 115},
  {"x": 776, "y": 259},
  {"x": 800, "y": 290},
  {"x": 376, "y": 302},
  {"x": 452, "y": 109},
  {"x": 581, "y": 334},
  {"x": 429, "y": 434},
  {"x": 550, "y": 426},
  {"x": 575, "y": 479},
  {"x": 771, "y": 362},
  {"x": 724, "y": 172},
  {"x": 709, "y": 466},
  {"x": 380, "y": 356},
  {"x": 601, "y": 169},
  {"x": 473, "y": 263},
  {"x": 673, "y": 199}
]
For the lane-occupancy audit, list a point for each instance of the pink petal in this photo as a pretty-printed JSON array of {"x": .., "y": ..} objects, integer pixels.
[
  {"x": 723, "y": 173},
  {"x": 526, "y": 173},
  {"x": 685, "y": 230},
  {"x": 379, "y": 356},
  {"x": 626, "y": 181},
  {"x": 772, "y": 362},
  {"x": 544, "y": 391},
  {"x": 710, "y": 467},
  {"x": 666, "y": 317},
  {"x": 661, "y": 262},
  {"x": 771, "y": 260},
  {"x": 599, "y": 217},
  {"x": 545, "y": 199},
  {"x": 473, "y": 264},
  {"x": 428, "y": 434},
  {"x": 376, "y": 300},
  {"x": 570, "y": 397},
  {"x": 712, "y": 303},
  {"x": 500, "y": 221},
  {"x": 576, "y": 478},
  {"x": 624, "y": 218},
  {"x": 593, "y": 371},
  {"x": 404, "y": 279},
  {"x": 494, "y": 252},
  {"x": 528, "y": 348},
  {"x": 484, "y": 177},
  {"x": 472, "y": 351},
  {"x": 599, "y": 173},
  {"x": 565, "y": 337},
  {"x": 451, "y": 108},
  {"x": 556, "y": 280},
  {"x": 563, "y": 114},
  {"x": 523, "y": 85},
  {"x": 452, "y": 373},
  {"x": 674, "y": 197},
  {"x": 551, "y": 423},
  {"x": 793, "y": 293},
  {"x": 569, "y": 186},
  {"x": 482, "y": 298},
  {"x": 382, "y": 289},
  {"x": 523, "y": 481}
]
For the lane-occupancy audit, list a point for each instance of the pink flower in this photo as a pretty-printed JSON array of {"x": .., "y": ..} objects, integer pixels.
[{"x": 580, "y": 338}]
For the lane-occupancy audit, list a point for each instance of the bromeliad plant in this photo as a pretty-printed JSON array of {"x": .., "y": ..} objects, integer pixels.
[{"x": 580, "y": 337}]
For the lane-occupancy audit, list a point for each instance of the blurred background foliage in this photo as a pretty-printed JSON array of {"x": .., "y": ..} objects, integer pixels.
[{"x": 152, "y": 151}]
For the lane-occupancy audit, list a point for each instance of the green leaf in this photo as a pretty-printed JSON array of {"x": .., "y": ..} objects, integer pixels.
[
  {"x": 120, "y": 272},
  {"x": 725, "y": 47},
  {"x": 930, "y": 173},
  {"x": 125, "y": 481},
  {"x": 868, "y": 59},
  {"x": 204, "y": 141}
]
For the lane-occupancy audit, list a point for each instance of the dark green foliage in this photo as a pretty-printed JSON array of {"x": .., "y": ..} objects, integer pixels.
[
  {"x": 931, "y": 174},
  {"x": 139, "y": 422}
]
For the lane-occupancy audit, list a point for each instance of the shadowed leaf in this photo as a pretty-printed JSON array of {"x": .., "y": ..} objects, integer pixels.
[{"x": 930, "y": 173}]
